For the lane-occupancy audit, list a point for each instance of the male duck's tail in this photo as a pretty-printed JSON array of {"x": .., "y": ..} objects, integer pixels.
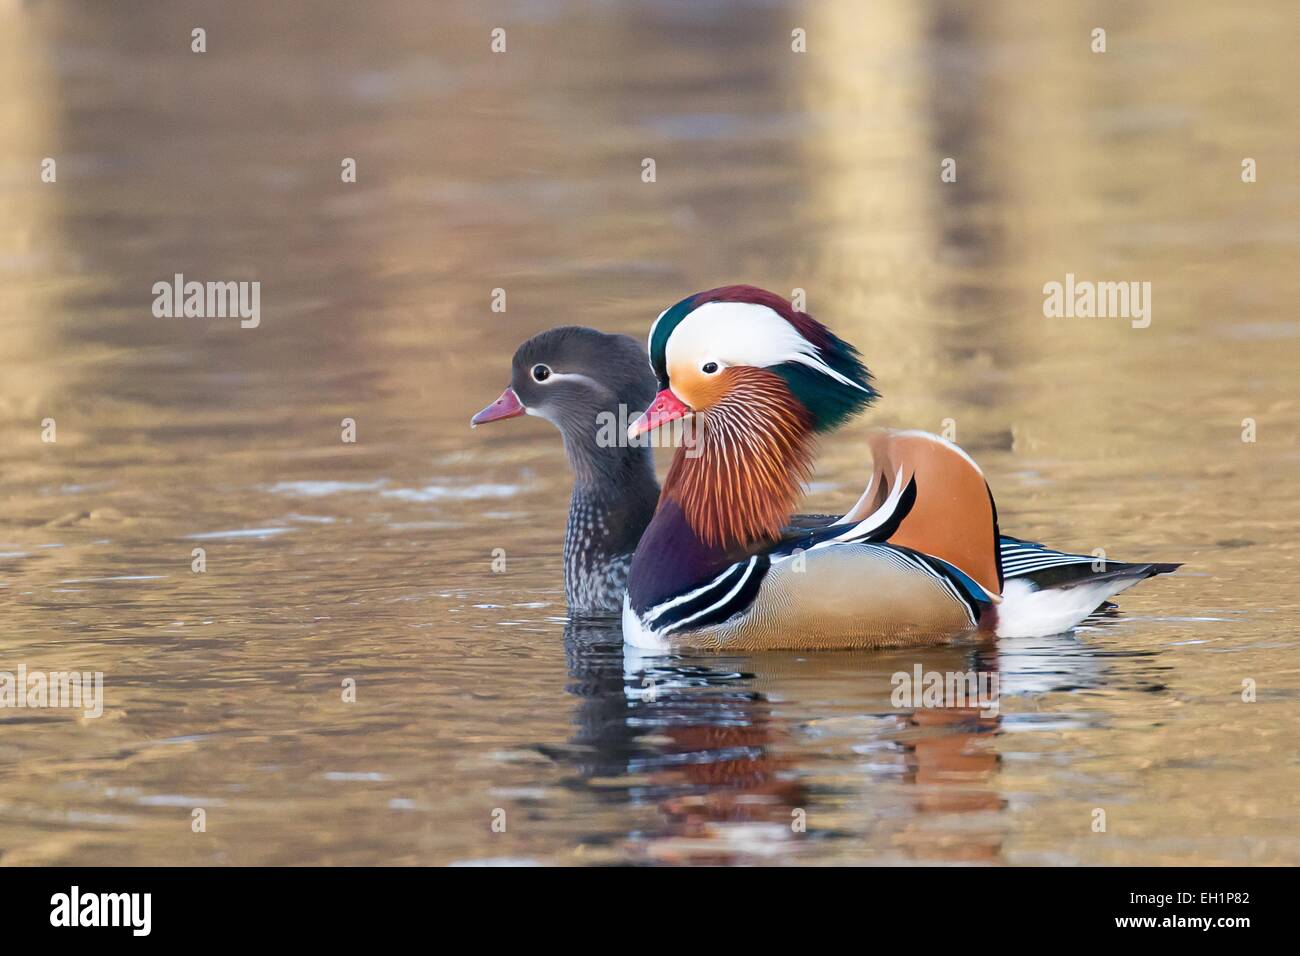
[{"x": 1047, "y": 592}]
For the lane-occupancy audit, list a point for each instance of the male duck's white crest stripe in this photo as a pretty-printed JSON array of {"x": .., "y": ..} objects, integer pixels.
[{"x": 744, "y": 333}]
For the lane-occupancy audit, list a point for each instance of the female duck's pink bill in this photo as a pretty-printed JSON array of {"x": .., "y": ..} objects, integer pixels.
[{"x": 507, "y": 406}]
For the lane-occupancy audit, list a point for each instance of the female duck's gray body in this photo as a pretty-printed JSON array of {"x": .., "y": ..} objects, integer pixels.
[
  {"x": 577, "y": 379},
  {"x": 606, "y": 518}
]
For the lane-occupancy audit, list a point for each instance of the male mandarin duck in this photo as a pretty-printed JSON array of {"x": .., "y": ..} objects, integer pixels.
[
  {"x": 572, "y": 376},
  {"x": 918, "y": 559}
]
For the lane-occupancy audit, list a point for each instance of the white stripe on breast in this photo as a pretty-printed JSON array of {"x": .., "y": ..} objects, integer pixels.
[
  {"x": 730, "y": 594},
  {"x": 689, "y": 595}
]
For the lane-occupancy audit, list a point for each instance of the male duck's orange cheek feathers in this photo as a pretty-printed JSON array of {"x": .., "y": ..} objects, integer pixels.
[
  {"x": 698, "y": 390},
  {"x": 953, "y": 516},
  {"x": 737, "y": 485}
]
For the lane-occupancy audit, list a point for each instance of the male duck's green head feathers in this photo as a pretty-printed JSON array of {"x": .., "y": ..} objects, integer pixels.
[{"x": 742, "y": 325}]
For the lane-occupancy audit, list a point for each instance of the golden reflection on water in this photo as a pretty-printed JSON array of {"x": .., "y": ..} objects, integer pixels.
[{"x": 328, "y": 561}]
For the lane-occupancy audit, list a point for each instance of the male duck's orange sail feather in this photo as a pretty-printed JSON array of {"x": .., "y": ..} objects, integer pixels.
[{"x": 952, "y": 516}]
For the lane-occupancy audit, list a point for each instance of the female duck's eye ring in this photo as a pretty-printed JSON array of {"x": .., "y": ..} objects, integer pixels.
[
  {"x": 541, "y": 373},
  {"x": 709, "y": 368}
]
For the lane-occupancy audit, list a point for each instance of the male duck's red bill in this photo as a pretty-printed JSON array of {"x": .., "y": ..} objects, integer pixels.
[{"x": 666, "y": 408}]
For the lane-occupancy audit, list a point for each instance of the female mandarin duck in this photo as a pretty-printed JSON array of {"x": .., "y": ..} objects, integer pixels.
[
  {"x": 571, "y": 376},
  {"x": 917, "y": 559}
]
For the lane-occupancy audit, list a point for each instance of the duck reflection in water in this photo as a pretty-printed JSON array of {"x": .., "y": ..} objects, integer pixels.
[
  {"x": 699, "y": 740},
  {"x": 700, "y": 745}
]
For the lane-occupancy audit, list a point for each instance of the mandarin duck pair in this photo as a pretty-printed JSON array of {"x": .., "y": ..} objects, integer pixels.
[{"x": 718, "y": 559}]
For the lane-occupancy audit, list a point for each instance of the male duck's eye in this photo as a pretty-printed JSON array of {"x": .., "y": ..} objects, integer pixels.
[
  {"x": 709, "y": 368},
  {"x": 541, "y": 373}
]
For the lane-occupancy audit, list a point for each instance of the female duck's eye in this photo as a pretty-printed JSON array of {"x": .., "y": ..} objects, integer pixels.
[
  {"x": 709, "y": 368},
  {"x": 541, "y": 373}
]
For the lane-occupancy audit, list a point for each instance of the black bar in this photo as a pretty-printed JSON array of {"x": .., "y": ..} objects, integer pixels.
[{"x": 332, "y": 905}]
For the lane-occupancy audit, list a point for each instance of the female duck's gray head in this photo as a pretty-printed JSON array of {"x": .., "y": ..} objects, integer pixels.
[{"x": 571, "y": 375}]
